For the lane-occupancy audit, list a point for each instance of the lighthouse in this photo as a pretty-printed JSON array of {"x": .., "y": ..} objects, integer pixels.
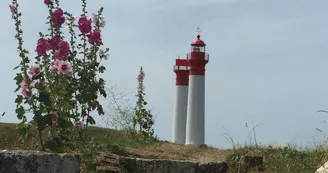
[
  {"x": 197, "y": 59},
  {"x": 181, "y": 70}
]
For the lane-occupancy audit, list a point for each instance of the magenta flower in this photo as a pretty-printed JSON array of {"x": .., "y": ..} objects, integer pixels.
[
  {"x": 85, "y": 25},
  {"x": 95, "y": 38},
  {"x": 42, "y": 46},
  {"x": 47, "y": 2},
  {"x": 12, "y": 9},
  {"x": 54, "y": 42},
  {"x": 57, "y": 18},
  {"x": 63, "y": 50}
]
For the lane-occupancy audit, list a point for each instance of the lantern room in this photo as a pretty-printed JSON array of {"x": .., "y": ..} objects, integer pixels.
[
  {"x": 198, "y": 45},
  {"x": 198, "y": 51}
]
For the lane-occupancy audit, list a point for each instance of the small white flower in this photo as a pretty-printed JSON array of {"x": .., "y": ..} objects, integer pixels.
[
  {"x": 101, "y": 52},
  {"x": 102, "y": 21}
]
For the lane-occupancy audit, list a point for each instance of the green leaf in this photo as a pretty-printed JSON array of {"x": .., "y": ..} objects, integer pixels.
[
  {"x": 20, "y": 112},
  {"x": 90, "y": 120},
  {"x": 67, "y": 107},
  {"x": 16, "y": 67},
  {"x": 103, "y": 92},
  {"x": 44, "y": 97},
  {"x": 19, "y": 99},
  {"x": 102, "y": 69},
  {"x": 18, "y": 78}
]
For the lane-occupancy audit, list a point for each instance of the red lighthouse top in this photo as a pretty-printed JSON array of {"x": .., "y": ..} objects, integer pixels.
[
  {"x": 198, "y": 42},
  {"x": 197, "y": 58}
]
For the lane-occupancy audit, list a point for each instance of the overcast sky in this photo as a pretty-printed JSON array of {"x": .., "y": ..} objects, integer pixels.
[{"x": 268, "y": 60}]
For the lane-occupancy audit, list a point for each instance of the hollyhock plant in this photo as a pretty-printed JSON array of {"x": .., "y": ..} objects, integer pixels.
[
  {"x": 64, "y": 76},
  {"x": 142, "y": 116}
]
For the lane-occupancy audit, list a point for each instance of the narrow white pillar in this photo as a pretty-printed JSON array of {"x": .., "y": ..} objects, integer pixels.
[
  {"x": 180, "y": 114},
  {"x": 196, "y": 111}
]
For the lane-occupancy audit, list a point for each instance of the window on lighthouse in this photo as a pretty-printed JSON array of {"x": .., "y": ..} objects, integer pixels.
[{"x": 198, "y": 49}]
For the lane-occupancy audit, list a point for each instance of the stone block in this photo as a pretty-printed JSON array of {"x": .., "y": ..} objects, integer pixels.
[{"x": 37, "y": 162}]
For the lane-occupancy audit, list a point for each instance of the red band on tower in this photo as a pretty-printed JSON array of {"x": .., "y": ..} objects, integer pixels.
[{"x": 181, "y": 70}]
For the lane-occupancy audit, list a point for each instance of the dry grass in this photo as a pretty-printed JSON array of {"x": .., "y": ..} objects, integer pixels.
[{"x": 165, "y": 150}]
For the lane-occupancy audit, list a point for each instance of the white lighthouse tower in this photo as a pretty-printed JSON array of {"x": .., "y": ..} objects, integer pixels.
[
  {"x": 181, "y": 70},
  {"x": 197, "y": 60}
]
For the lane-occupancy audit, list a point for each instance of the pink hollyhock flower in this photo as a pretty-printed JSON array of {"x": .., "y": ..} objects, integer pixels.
[
  {"x": 57, "y": 18},
  {"x": 63, "y": 50},
  {"x": 65, "y": 67},
  {"x": 35, "y": 70},
  {"x": 54, "y": 42},
  {"x": 42, "y": 46},
  {"x": 81, "y": 124},
  {"x": 95, "y": 38},
  {"x": 54, "y": 117},
  {"x": 25, "y": 82},
  {"x": 47, "y": 2},
  {"x": 85, "y": 24},
  {"x": 25, "y": 85},
  {"x": 55, "y": 67},
  {"x": 26, "y": 92},
  {"x": 12, "y": 9}
]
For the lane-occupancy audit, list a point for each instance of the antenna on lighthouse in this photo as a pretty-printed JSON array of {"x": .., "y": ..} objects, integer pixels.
[{"x": 198, "y": 31}]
